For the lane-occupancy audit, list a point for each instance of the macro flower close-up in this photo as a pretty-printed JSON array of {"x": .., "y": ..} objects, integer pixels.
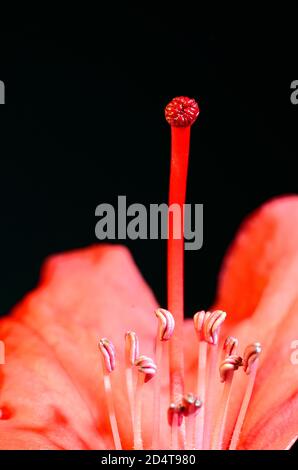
[
  {"x": 149, "y": 238},
  {"x": 92, "y": 361}
]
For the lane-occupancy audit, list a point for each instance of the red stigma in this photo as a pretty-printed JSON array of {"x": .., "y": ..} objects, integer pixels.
[{"x": 182, "y": 111}]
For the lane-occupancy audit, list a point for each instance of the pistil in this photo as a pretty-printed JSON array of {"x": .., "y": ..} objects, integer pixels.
[{"x": 180, "y": 113}]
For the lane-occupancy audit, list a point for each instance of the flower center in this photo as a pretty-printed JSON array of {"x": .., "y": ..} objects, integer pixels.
[{"x": 196, "y": 420}]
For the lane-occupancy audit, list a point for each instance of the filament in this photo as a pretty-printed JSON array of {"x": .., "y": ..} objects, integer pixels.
[
  {"x": 146, "y": 371},
  {"x": 137, "y": 425},
  {"x": 250, "y": 366},
  {"x": 108, "y": 365},
  {"x": 222, "y": 413},
  {"x": 156, "y": 399},
  {"x": 131, "y": 355},
  {"x": 227, "y": 369},
  {"x": 244, "y": 406},
  {"x": 201, "y": 391}
]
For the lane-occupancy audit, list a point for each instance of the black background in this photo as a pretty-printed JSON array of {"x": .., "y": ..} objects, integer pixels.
[{"x": 83, "y": 122}]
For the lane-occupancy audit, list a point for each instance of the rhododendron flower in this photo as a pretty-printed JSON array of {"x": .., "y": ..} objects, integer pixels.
[{"x": 88, "y": 351}]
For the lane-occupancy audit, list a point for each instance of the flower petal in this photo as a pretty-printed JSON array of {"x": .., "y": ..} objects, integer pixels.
[
  {"x": 259, "y": 290},
  {"x": 262, "y": 250},
  {"x": 272, "y": 419},
  {"x": 53, "y": 366}
]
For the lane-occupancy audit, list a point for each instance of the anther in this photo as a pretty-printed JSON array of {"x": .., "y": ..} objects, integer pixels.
[
  {"x": 166, "y": 324},
  {"x": 131, "y": 347},
  {"x": 190, "y": 404},
  {"x": 230, "y": 363},
  {"x": 212, "y": 325},
  {"x": 199, "y": 321},
  {"x": 146, "y": 366},
  {"x": 250, "y": 355},
  {"x": 175, "y": 411},
  {"x": 230, "y": 346},
  {"x": 108, "y": 354},
  {"x": 182, "y": 111}
]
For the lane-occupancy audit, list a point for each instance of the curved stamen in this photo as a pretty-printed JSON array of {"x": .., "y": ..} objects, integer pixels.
[
  {"x": 166, "y": 324},
  {"x": 146, "y": 370},
  {"x": 229, "y": 364},
  {"x": 131, "y": 347},
  {"x": 230, "y": 346},
  {"x": 227, "y": 368},
  {"x": 108, "y": 364},
  {"x": 212, "y": 331},
  {"x": 207, "y": 326},
  {"x": 250, "y": 366},
  {"x": 131, "y": 354},
  {"x": 108, "y": 354},
  {"x": 212, "y": 325},
  {"x": 250, "y": 355},
  {"x": 200, "y": 319},
  {"x": 146, "y": 366}
]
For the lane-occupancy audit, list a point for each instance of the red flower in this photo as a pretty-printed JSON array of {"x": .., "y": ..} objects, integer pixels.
[{"x": 52, "y": 394}]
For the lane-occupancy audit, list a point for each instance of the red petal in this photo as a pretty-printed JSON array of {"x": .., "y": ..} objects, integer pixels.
[
  {"x": 52, "y": 379},
  {"x": 258, "y": 285},
  {"x": 263, "y": 249},
  {"x": 272, "y": 418},
  {"x": 259, "y": 290}
]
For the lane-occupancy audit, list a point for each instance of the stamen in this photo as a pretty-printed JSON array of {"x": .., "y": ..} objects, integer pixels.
[
  {"x": 250, "y": 366},
  {"x": 108, "y": 354},
  {"x": 190, "y": 407},
  {"x": 230, "y": 346},
  {"x": 164, "y": 333},
  {"x": 108, "y": 364},
  {"x": 250, "y": 355},
  {"x": 200, "y": 319},
  {"x": 146, "y": 370},
  {"x": 166, "y": 324},
  {"x": 181, "y": 112},
  {"x": 172, "y": 411},
  {"x": 175, "y": 419},
  {"x": 131, "y": 355},
  {"x": 212, "y": 328},
  {"x": 190, "y": 404},
  {"x": 131, "y": 348},
  {"x": 226, "y": 370},
  {"x": 230, "y": 364}
]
